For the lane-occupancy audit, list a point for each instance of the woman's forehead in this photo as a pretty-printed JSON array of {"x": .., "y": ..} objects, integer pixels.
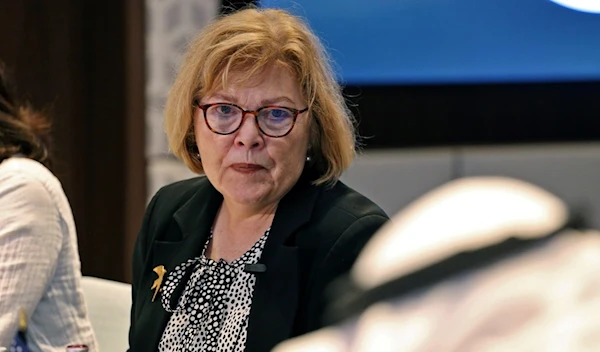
[
  {"x": 248, "y": 76},
  {"x": 275, "y": 85}
]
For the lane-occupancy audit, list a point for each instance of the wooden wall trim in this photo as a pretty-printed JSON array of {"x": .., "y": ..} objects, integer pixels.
[{"x": 136, "y": 178}]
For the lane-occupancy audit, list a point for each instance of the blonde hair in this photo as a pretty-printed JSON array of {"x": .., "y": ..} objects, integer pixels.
[{"x": 252, "y": 41}]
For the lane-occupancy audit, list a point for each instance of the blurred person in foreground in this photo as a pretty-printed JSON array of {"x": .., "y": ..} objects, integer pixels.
[
  {"x": 479, "y": 265},
  {"x": 239, "y": 259},
  {"x": 39, "y": 260}
]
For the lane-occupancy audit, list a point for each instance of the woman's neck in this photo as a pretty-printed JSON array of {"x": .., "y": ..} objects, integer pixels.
[
  {"x": 236, "y": 229},
  {"x": 237, "y": 215}
]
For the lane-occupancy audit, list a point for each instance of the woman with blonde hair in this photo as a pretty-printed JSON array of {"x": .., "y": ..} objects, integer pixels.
[{"x": 239, "y": 259}]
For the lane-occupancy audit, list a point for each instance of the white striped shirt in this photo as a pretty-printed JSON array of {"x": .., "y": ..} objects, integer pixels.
[{"x": 40, "y": 269}]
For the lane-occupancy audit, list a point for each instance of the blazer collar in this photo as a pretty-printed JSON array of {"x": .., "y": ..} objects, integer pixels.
[
  {"x": 276, "y": 292},
  {"x": 197, "y": 215},
  {"x": 293, "y": 211}
]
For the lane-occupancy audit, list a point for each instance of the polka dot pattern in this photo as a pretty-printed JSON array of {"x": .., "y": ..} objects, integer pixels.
[
  {"x": 212, "y": 312},
  {"x": 14, "y": 347}
]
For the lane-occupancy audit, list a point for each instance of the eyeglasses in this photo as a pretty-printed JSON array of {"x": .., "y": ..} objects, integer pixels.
[{"x": 273, "y": 121}]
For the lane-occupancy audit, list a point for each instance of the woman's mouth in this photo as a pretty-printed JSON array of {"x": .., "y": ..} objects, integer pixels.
[{"x": 247, "y": 168}]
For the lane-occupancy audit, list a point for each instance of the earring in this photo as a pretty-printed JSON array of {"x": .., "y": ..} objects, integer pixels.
[
  {"x": 307, "y": 158},
  {"x": 198, "y": 156}
]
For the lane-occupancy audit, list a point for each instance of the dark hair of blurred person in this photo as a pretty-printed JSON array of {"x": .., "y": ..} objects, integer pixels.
[
  {"x": 23, "y": 130},
  {"x": 40, "y": 271}
]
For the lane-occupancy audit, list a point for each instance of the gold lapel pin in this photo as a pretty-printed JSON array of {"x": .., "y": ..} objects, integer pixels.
[
  {"x": 160, "y": 271},
  {"x": 22, "y": 320}
]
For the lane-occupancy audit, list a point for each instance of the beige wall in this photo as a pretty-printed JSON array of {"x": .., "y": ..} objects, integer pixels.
[{"x": 170, "y": 26}]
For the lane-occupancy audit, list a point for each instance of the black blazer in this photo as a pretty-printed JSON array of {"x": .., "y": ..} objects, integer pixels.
[{"x": 316, "y": 235}]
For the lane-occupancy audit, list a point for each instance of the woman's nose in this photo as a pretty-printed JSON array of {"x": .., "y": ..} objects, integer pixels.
[{"x": 249, "y": 134}]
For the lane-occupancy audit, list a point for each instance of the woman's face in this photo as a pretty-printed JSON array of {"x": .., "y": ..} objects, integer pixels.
[{"x": 248, "y": 167}]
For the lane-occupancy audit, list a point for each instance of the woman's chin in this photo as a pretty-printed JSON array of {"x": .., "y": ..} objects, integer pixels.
[{"x": 250, "y": 194}]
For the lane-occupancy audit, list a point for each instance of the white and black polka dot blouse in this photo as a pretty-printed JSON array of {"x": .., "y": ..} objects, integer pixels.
[{"x": 212, "y": 312}]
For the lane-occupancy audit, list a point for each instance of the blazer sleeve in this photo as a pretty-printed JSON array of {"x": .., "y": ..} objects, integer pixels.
[
  {"x": 140, "y": 251},
  {"x": 338, "y": 262}
]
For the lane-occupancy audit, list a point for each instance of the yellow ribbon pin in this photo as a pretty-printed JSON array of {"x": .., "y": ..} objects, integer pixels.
[
  {"x": 160, "y": 271},
  {"x": 22, "y": 320}
]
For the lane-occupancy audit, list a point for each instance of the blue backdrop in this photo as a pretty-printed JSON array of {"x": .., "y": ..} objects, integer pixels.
[{"x": 454, "y": 41}]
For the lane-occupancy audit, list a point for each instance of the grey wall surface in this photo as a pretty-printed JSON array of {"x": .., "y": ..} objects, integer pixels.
[{"x": 395, "y": 178}]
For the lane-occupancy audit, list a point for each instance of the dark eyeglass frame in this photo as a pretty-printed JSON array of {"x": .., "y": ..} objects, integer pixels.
[{"x": 205, "y": 107}]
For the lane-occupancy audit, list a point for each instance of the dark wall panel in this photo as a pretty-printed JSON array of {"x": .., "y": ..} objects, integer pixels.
[
  {"x": 84, "y": 61},
  {"x": 410, "y": 116}
]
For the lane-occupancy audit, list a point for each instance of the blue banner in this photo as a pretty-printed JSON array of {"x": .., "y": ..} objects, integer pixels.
[{"x": 456, "y": 41}]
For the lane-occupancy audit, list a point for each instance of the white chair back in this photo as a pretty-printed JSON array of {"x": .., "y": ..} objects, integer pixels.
[{"x": 109, "y": 305}]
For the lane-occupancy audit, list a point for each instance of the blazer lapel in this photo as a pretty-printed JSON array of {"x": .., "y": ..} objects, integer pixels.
[
  {"x": 276, "y": 292},
  {"x": 184, "y": 239}
]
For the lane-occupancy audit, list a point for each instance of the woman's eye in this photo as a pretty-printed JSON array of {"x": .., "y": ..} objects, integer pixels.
[
  {"x": 224, "y": 109},
  {"x": 279, "y": 114}
]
